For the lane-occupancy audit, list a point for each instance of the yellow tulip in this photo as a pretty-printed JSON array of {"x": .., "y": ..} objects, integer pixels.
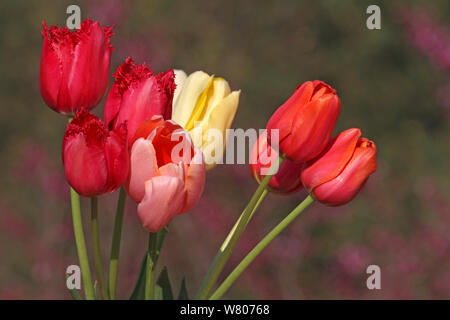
[{"x": 203, "y": 104}]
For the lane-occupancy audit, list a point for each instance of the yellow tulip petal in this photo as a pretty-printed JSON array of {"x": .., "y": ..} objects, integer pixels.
[
  {"x": 223, "y": 113},
  {"x": 200, "y": 106},
  {"x": 192, "y": 89},
  {"x": 220, "y": 119},
  {"x": 221, "y": 89},
  {"x": 180, "y": 78}
]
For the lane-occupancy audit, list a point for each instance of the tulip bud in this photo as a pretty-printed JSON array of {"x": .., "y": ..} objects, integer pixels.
[
  {"x": 75, "y": 66},
  {"x": 336, "y": 176},
  {"x": 95, "y": 160},
  {"x": 167, "y": 173},
  {"x": 137, "y": 95},
  {"x": 205, "y": 104},
  {"x": 306, "y": 120},
  {"x": 263, "y": 156}
]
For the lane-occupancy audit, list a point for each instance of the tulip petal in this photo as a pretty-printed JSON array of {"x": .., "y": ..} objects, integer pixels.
[
  {"x": 85, "y": 167},
  {"x": 312, "y": 128},
  {"x": 172, "y": 170},
  {"x": 193, "y": 87},
  {"x": 117, "y": 158},
  {"x": 88, "y": 77},
  {"x": 332, "y": 161},
  {"x": 284, "y": 115},
  {"x": 218, "y": 91},
  {"x": 180, "y": 78},
  {"x": 347, "y": 185},
  {"x": 143, "y": 166},
  {"x": 50, "y": 73},
  {"x": 286, "y": 180},
  {"x": 194, "y": 180},
  {"x": 164, "y": 198},
  {"x": 220, "y": 119}
]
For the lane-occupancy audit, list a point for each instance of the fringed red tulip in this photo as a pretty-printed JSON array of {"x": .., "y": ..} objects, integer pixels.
[
  {"x": 75, "y": 66},
  {"x": 337, "y": 176},
  {"x": 167, "y": 173},
  {"x": 305, "y": 121},
  {"x": 138, "y": 94},
  {"x": 95, "y": 159},
  {"x": 287, "y": 179}
]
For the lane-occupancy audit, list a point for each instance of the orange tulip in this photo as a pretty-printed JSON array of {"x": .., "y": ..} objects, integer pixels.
[
  {"x": 338, "y": 175},
  {"x": 305, "y": 121},
  {"x": 286, "y": 180}
]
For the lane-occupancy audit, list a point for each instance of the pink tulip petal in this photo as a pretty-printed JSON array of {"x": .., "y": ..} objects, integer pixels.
[
  {"x": 164, "y": 198},
  {"x": 172, "y": 170},
  {"x": 143, "y": 167},
  {"x": 195, "y": 180}
]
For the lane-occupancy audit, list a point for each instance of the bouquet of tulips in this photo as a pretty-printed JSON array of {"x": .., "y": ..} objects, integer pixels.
[{"x": 160, "y": 135}]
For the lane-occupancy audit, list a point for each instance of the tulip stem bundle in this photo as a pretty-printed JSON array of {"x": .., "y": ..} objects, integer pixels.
[
  {"x": 260, "y": 247},
  {"x": 81, "y": 245},
  {"x": 228, "y": 245},
  {"x": 96, "y": 248},
  {"x": 115, "y": 247}
]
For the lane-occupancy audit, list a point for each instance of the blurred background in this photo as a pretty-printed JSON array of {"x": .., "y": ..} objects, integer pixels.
[{"x": 394, "y": 83}]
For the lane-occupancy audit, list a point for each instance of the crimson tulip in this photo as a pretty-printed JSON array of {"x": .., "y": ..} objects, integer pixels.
[
  {"x": 138, "y": 94},
  {"x": 305, "y": 121},
  {"x": 75, "y": 66},
  {"x": 96, "y": 160},
  {"x": 337, "y": 176},
  {"x": 167, "y": 172},
  {"x": 286, "y": 180}
]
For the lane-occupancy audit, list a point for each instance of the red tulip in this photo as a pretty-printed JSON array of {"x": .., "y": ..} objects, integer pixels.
[
  {"x": 75, "y": 66},
  {"x": 337, "y": 176},
  {"x": 305, "y": 121},
  {"x": 286, "y": 180},
  {"x": 95, "y": 160},
  {"x": 138, "y": 94},
  {"x": 167, "y": 176}
]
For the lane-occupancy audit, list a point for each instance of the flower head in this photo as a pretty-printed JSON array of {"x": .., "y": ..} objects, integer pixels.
[
  {"x": 167, "y": 173},
  {"x": 95, "y": 159},
  {"x": 75, "y": 66},
  {"x": 138, "y": 94}
]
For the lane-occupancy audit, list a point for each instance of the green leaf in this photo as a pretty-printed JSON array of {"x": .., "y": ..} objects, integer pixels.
[
  {"x": 139, "y": 288},
  {"x": 159, "y": 293},
  {"x": 164, "y": 283},
  {"x": 183, "y": 295}
]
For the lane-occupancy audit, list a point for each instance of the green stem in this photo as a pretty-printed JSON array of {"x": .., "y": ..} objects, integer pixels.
[
  {"x": 228, "y": 245},
  {"x": 115, "y": 247},
  {"x": 139, "y": 287},
  {"x": 260, "y": 247},
  {"x": 81, "y": 245},
  {"x": 96, "y": 248},
  {"x": 74, "y": 293},
  {"x": 150, "y": 267}
]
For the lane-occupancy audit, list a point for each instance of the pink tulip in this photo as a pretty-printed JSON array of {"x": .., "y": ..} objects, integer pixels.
[
  {"x": 137, "y": 95},
  {"x": 167, "y": 173}
]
